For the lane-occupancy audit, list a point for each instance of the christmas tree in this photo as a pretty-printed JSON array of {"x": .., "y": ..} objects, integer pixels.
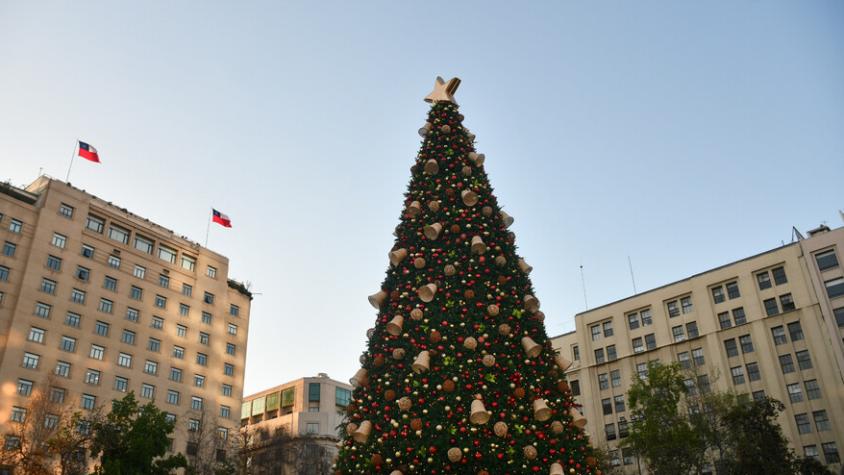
[{"x": 459, "y": 375}]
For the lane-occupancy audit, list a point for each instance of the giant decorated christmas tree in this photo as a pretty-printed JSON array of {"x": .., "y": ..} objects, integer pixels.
[{"x": 459, "y": 375}]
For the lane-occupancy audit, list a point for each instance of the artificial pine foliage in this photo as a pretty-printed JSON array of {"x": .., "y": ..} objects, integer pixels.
[{"x": 459, "y": 375}]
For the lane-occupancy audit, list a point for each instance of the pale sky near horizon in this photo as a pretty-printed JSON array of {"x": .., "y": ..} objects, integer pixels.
[{"x": 681, "y": 134}]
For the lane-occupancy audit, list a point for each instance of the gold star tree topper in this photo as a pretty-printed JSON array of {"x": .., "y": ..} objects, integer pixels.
[{"x": 443, "y": 91}]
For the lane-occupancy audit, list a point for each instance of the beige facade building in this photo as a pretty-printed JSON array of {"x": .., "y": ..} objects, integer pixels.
[
  {"x": 771, "y": 324},
  {"x": 102, "y": 302},
  {"x": 292, "y": 428}
]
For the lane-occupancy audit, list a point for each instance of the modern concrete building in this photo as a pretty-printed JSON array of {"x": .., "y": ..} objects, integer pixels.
[
  {"x": 100, "y": 302},
  {"x": 292, "y": 428},
  {"x": 771, "y": 324}
]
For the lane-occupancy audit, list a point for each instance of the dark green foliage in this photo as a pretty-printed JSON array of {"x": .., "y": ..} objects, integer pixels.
[
  {"x": 132, "y": 440},
  {"x": 756, "y": 445}
]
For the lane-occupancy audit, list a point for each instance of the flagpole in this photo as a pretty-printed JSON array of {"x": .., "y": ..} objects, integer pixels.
[
  {"x": 72, "y": 156},
  {"x": 208, "y": 228}
]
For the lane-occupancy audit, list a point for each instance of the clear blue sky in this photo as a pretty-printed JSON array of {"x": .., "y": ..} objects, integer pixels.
[{"x": 682, "y": 134}]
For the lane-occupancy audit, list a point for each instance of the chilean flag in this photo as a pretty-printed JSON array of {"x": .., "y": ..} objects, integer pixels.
[
  {"x": 88, "y": 152},
  {"x": 220, "y": 218}
]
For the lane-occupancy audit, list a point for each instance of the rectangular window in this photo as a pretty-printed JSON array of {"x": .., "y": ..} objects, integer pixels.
[
  {"x": 678, "y": 333},
  {"x": 157, "y": 323},
  {"x": 746, "y": 343},
  {"x": 176, "y": 375},
  {"x": 87, "y": 251},
  {"x": 83, "y": 273},
  {"x": 730, "y": 347},
  {"x": 575, "y": 388},
  {"x": 92, "y": 377},
  {"x": 167, "y": 254},
  {"x": 196, "y": 403},
  {"x": 673, "y": 309},
  {"x": 228, "y": 369},
  {"x": 178, "y": 352},
  {"x": 59, "y": 240},
  {"x": 611, "y": 354},
  {"x": 110, "y": 283},
  {"x": 95, "y": 224},
  {"x": 618, "y": 402},
  {"x": 113, "y": 262},
  {"x": 795, "y": 331},
  {"x": 771, "y": 307},
  {"x": 642, "y": 370},
  {"x": 599, "y": 356},
  {"x": 204, "y": 338},
  {"x": 724, "y": 320},
  {"x": 786, "y": 363},
  {"x": 24, "y": 387},
  {"x": 313, "y": 392},
  {"x": 813, "y": 391},
  {"x": 718, "y": 294},
  {"x": 128, "y": 337},
  {"x": 575, "y": 352},
  {"x": 124, "y": 360},
  {"x": 9, "y": 249},
  {"x": 804, "y": 361},
  {"x": 739, "y": 316},
  {"x": 826, "y": 260},
  {"x": 633, "y": 321},
  {"x": 787, "y": 302},
  {"x": 638, "y": 345},
  {"x": 606, "y": 405},
  {"x": 830, "y": 453},
  {"x": 132, "y": 314},
  {"x": 147, "y": 391},
  {"x": 753, "y": 373},
  {"x": 18, "y": 414},
  {"x": 77, "y": 296},
  {"x": 231, "y": 348},
  {"x": 684, "y": 360},
  {"x": 67, "y": 344},
  {"x": 835, "y": 287},
  {"x": 232, "y": 328},
  {"x": 737, "y": 373},
  {"x": 36, "y": 335},
  {"x": 143, "y": 244},
  {"x": 208, "y": 298},
  {"x": 795, "y": 392},
  {"x": 154, "y": 345},
  {"x": 779, "y": 275},
  {"x": 42, "y": 310},
  {"x": 88, "y": 401},
  {"x": 139, "y": 271},
  {"x": 821, "y": 421},
  {"x": 703, "y": 384},
  {"x": 160, "y": 301},
  {"x": 54, "y": 263},
  {"x": 645, "y": 316},
  {"x": 686, "y": 304},
  {"x": 184, "y": 310},
  {"x": 609, "y": 430},
  {"x": 188, "y": 262},
  {"x": 4, "y": 273},
  {"x": 164, "y": 281},
  {"x": 650, "y": 341},
  {"x": 206, "y": 318},
  {"x": 202, "y": 359},
  {"x": 105, "y": 306},
  {"x": 234, "y": 310},
  {"x": 198, "y": 380},
  {"x": 342, "y": 397},
  {"x": 66, "y": 210},
  {"x": 603, "y": 381},
  {"x": 733, "y": 290},
  {"x": 116, "y": 233},
  {"x": 181, "y": 331},
  {"x": 136, "y": 293},
  {"x": 803, "y": 424},
  {"x": 608, "y": 328},
  {"x": 173, "y": 397},
  {"x": 764, "y": 280},
  {"x": 97, "y": 352},
  {"x": 227, "y": 390},
  {"x": 62, "y": 369},
  {"x": 596, "y": 332},
  {"x": 211, "y": 272},
  {"x": 697, "y": 357},
  {"x": 101, "y": 328},
  {"x": 778, "y": 334},
  {"x": 615, "y": 377},
  {"x": 121, "y": 384},
  {"x": 691, "y": 330}
]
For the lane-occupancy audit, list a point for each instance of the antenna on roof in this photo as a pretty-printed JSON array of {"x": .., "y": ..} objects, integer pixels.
[
  {"x": 632, "y": 277},
  {"x": 583, "y": 283}
]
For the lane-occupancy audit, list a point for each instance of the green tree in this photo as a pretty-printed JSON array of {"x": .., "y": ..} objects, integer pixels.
[
  {"x": 132, "y": 440},
  {"x": 754, "y": 441},
  {"x": 459, "y": 375},
  {"x": 660, "y": 430},
  {"x": 810, "y": 466}
]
